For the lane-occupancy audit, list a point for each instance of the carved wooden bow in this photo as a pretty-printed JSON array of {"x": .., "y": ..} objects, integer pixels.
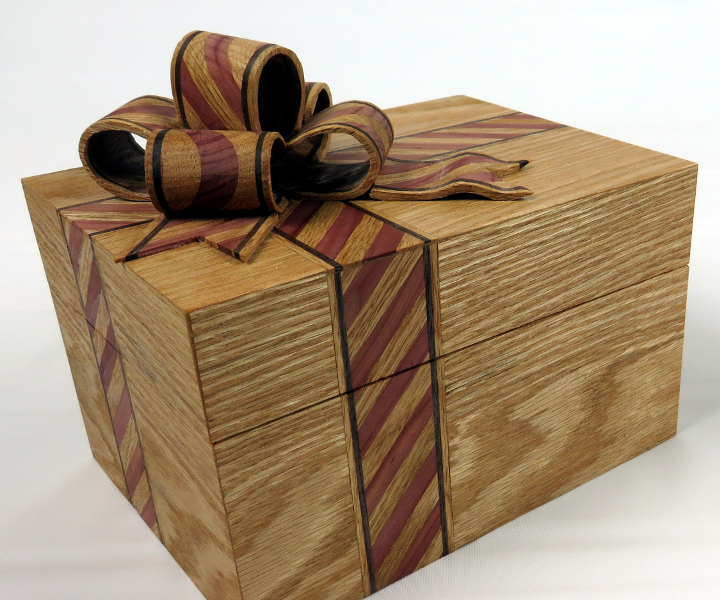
[{"x": 245, "y": 133}]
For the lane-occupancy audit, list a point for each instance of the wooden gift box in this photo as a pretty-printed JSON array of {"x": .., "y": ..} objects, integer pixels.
[{"x": 383, "y": 382}]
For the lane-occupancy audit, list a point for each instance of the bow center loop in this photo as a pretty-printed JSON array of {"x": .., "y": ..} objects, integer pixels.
[
  {"x": 222, "y": 82},
  {"x": 198, "y": 172}
]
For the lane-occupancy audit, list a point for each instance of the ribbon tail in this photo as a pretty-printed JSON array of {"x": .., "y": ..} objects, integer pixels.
[{"x": 462, "y": 173}]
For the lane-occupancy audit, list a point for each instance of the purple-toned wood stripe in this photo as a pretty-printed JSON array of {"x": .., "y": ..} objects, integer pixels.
[
  {"x": 155, "y": 245},
  {"x": 392, "y": 167},
  {"x": 419, "y": 546},
  {"x": 340, "y": 110},
  {"x": 217, "y": 59},
  {"x": 125, "y": 207},
  {"x": 218, "y": 168},
  {"x": 194, "y": 97},
  {"x": 401, "y": 449},
  {"x": 104, "y": 224},
  {"x": 94, "y": 297},
  {"x": 121, "y": 420},
  {"x": 362, "y": 286},
  {"x": 386, "y": 242},
  {"x": 301, "y": 215},
  {"x": 75, "y": 240},
  {"x": 228, "y": 246},
  {"x": 419, "y": 351},
  {"x": 135, "y": 470},
  {"x": 404, "y": 509},
  {"x": 164, "y": 110},
  {"x": 108, "y": 360},
  {"x": 340, "y": 231},
  {"x": 148, "y": 513},
  {"x": 110, "y": 335},
  {"x": 479, "y": 175},
  {"x": 387, "y": 326},
  {"x": 382, "y": 409}
]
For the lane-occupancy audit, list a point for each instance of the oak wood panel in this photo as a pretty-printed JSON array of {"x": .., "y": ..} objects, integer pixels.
[
  {"x": 73, "y": 326},
  {"x": 154, "y": 338},
  {"x": 567, "y": 164},
  {"x": 195, "y": 276},
  {"x": 265, "y": 355},
  {"x": 288, "y": 494},
  {"x": 441, "y": 112},
  {"x": 517, "y": 271},
  {"x": 537, "y": 411}
]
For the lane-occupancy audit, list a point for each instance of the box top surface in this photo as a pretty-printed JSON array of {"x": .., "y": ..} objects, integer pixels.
[{"x": 566, "y": 164}]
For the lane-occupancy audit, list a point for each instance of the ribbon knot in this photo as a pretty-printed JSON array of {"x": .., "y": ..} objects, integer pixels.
[{"x": 244, "y": 133}]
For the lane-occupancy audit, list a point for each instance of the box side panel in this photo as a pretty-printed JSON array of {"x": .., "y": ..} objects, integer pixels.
[
  {"x": 288, "y": 492},
  {"x": 265, "y": 355},
  {"x": 514, "y": 272},
  {"x": 154, "y": 338},
  {"x": 76, "y": 335},
  {"x": 540, "y": 410}
]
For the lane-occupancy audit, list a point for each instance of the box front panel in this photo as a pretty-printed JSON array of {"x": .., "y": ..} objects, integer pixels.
[
  {"x": 536, "y": 412},
  {"x": 287, "y": 489}
]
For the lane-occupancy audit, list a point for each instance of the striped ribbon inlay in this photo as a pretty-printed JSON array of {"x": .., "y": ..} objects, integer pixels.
[
  {"x": 79, "y": 222},
  {"x": 386, "y": 322}
]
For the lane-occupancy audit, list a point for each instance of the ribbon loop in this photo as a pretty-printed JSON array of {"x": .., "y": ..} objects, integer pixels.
[{"x": 223, "y": 82}]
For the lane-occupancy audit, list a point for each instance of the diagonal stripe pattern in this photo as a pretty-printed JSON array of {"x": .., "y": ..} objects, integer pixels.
[
  {"x": 399, "y": 462},
  {"x": 112, "y": 375}
]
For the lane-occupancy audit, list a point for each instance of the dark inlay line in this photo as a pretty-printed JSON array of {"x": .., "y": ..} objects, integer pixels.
[
  {"x": 429, "y": 299},
  {"x": 404, "y": 510},
  {"x": 419, "y": 546},
  {"x": 65, "y": 209},
  {"x": 399, "y": 452},
  {"x": 389, "y": 222},
  {"x": 258, "y": 169},
  {"x": 353, "y": 426},
  {"x": 439, "y": 456},
  {"x": 246, "y": 82},
  {"x": 133, "y": 254},
  {"x": 311, "y": 250},
  {"x": 248, "y": 236},
  {"x": 178, "y": 75},
  {"x": 133, "y": 224},
  {"x": 157, "y": 171},
  {"x": 465, "y": 124}
]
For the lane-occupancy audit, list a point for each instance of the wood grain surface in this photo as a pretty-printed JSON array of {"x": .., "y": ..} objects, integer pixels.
[
  {"x": 542, "y": 409},
  {"x": 162, "y": 374},
  {"x": 288, "y": 495},
  {"x": 73, "y": 327}
]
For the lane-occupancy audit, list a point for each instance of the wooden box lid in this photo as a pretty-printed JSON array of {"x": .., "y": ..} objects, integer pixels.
[{"x": 344, "y": 294}]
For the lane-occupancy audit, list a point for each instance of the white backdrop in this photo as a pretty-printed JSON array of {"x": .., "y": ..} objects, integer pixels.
[{"x": 643, "y": 72}]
